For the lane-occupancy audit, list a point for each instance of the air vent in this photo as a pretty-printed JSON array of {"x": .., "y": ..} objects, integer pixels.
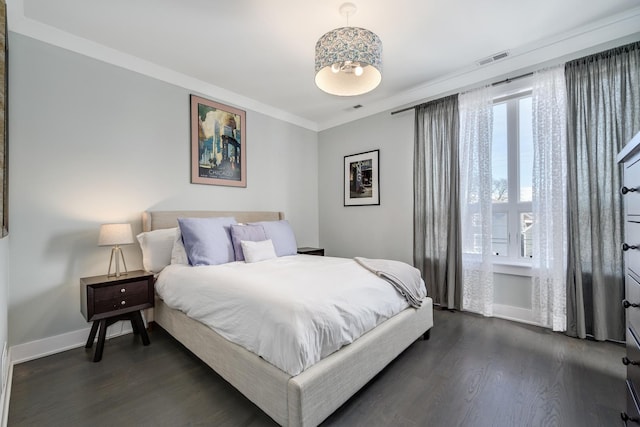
[
  {"x": 500, "y": 56},
  {"x": 493, "y": 58},
  {"x": 353, "y": 107}
]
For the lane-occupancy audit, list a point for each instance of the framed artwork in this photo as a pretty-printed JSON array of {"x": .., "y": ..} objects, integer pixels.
[
  {"x": 362, "y": 179},
  {"x": 218, "y": 144}
]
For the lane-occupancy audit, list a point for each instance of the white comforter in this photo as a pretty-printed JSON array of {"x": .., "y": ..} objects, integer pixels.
[{"x": 292, "y": 311}]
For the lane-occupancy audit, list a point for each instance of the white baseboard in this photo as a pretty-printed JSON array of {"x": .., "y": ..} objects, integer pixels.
[
  {"x": 6, "y": 393},
  {"x": 516, "y": 314},
  {"x": 5, "y": 364},
  {"x": 7, "y": 373},
  {"x": 59, "y": 343}
]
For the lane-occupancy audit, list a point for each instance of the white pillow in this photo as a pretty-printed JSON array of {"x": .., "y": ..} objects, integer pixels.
[
  {"x": 156, "y": 248},
  {"x": 258, "y": 251},
  {"x": 178, "y": 253}
]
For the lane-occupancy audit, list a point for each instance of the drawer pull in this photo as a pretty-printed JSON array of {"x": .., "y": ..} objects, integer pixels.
[
  {"x": 626, "y": 247},
  {"x": 627, "y": 304},
  {"x": 625, "y": 190},
  {"x": 123, "y": 302},
  {"x": 626, "y": 361},
  {"x": 626, "y": 418},
  {"x": 123, "y": 290}
]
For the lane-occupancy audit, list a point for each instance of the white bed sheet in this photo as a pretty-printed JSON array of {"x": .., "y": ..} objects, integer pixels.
[{"x": 292, "y": 311}]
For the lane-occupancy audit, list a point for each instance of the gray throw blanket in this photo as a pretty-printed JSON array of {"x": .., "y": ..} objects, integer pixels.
[{"x": 404, "y": 278}]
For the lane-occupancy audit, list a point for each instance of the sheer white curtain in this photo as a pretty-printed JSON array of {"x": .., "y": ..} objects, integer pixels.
[
  {"x": 549, "y": 200},
  {"x": 476, "y": 118}
]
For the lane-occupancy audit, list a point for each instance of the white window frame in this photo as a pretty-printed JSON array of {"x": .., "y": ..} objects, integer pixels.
[{"x": 513, "y": 263}]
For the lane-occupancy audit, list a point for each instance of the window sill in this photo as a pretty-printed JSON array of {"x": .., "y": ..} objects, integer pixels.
[{"x": 512, "y": 267}]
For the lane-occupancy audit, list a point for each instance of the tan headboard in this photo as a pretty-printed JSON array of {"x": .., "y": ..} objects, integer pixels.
[{"x": 154, "y": 220}]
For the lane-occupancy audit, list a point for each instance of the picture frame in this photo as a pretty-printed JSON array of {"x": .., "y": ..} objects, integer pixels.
[
  {"x": 362, "y": 179},
  {"x": 218, "y": 144}
]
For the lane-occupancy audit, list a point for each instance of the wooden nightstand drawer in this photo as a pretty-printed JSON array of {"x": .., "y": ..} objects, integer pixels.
[
  {"x": 123, "y": 296},
  {"x": 103, "y": 297}
]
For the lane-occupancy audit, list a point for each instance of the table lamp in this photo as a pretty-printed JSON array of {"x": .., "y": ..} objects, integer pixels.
[{"x": 116, "y": 235}]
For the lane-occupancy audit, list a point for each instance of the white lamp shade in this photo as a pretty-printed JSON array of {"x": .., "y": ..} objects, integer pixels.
[
  {"x": 342, "y": 84},
  {"x": 115, "y": 234}
]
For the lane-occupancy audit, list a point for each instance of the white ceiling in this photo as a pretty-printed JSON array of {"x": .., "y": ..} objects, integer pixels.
[{"x": 260, "y": 54}]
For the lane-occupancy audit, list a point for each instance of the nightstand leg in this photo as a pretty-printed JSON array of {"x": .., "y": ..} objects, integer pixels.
[
  {"x": 134, "y": 324},
  {"x": 101, "y": 337},
  {"x": 92, "y": 334},
  {"x": 137, "y": 318}
]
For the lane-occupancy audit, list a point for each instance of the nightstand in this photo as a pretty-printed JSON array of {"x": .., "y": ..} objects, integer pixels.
[
  {"x": 311, "y": 251},
  {"x": 105, "y": 300}
]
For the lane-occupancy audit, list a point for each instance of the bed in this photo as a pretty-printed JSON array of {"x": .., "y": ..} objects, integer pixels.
[{"x": 305, "y": 399}]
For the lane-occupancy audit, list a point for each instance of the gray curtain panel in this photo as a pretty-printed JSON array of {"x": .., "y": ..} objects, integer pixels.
[
  {"x": 436, "y": 212},
  {"x": 603, "y": 109}
]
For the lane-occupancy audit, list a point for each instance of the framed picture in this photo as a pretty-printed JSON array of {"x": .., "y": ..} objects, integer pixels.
[
  {"x": 362, "y": 179},
  {"x": 218, "y": 144}
]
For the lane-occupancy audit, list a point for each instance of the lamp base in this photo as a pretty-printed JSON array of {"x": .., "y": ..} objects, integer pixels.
[{"x": 116, "y": 253}]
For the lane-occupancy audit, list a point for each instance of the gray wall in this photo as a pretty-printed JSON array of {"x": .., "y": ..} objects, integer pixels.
[
  {"x": 384, "y": 231},
  {"x": 512, "y": 290},
  {"x": 93, "y": 143}
]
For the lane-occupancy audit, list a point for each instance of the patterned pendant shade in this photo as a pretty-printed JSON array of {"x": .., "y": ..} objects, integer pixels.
[{"x": 348, "y": 61}]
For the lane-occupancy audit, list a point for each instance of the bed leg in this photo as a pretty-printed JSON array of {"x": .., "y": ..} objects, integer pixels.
[{"x": 427, "y": 335}]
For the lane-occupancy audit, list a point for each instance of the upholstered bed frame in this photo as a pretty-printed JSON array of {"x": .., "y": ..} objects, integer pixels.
[{"x": 310, "y": 397}]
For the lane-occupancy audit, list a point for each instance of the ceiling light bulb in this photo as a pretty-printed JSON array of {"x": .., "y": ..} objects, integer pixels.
[
  {"x": 335, "y": 68},
  {"x": 358, "y": 71}
]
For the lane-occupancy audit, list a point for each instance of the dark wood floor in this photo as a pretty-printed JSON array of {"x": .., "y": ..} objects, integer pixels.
[{"x": 472, "y": 372}]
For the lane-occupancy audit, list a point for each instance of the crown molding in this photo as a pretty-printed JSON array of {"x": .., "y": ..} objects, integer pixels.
[
  {"x": 600, "y": 35},
  {"x": 606, "y": 33},
  {"x": 20, "y": 24}
]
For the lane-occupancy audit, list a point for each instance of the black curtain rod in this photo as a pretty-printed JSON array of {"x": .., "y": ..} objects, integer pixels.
[
  {"x": 510, "y": 79},
  {"x": 507, "y": 80},
  {"x": 407, "y": 109}
]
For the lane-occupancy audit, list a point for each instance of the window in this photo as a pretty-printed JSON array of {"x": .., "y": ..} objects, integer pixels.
[{"x": 512, "y": 171}]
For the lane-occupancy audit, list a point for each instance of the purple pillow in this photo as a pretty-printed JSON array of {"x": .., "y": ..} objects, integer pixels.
[
  {"x": 282, "y": 236},
  {"x": 251, "y": 233},
  {"x": 207, "y": 240}
]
